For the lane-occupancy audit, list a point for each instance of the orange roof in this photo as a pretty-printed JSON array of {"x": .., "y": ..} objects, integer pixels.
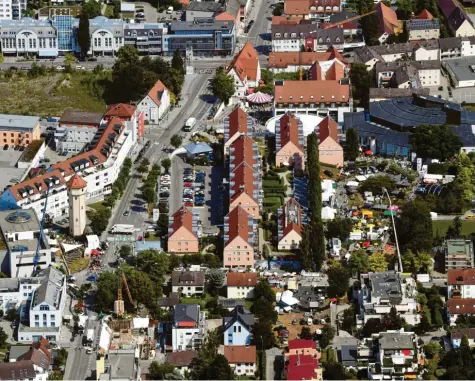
[
  {"x": 297, "y": 7},
  {"x": 425, "y": 15},
  {"x": 285, "y": 59},
  {"x": 462, "y": 276},
  {"x": 243, "y": 180},
  {"x": 244, "y": 148},
  {"x": 334, "y": 53},
  {"x": 225, "y": 16},
  {"x": 336, "y": 71},
  {"x": 387, "y": 18},
  {"x": 277, "y": 20},
  {"x": 241, "y": 279},
  {"x": 237, "y": 122},
  {"x": 36, "y": 185},
  {"x": 76, "y": 182},
  {"x": 328, "y": 127},
  {"x": 156, "y": 92},
  {"x": 182, "y": 217},
  {"x": 461, "y": 306},
  {"x": 238, "y": 223},
  {"x": 291, "y": 221},
  {"x": 184, "y": 2},
  {"x": 289, "y": 130},
  {"x": 121, "y": 110},
  {"x": 240, "y": 354},
  {"x": 311, "y": 92},
  {"x": 246, "y": 62}
]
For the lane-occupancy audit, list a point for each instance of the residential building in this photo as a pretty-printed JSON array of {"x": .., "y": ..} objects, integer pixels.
[
  {"x": 15, "y": 292},
  {"x": 242, "y": 359},
  {"x": 237, "y": 123},
  {"x": 427, "y": 50},
  {"x": 290, "y": 62},
  {"x": 189, "y": 325},
  {"x": 22, "y": 370},
  {"x": 246, "y": 70},
  {"x": 133, "y": 118},
  {"x": 244, "y": 150},
  {"x": 107, "y": 36},
  {"x": 156, "y": 103},
  {"x": 21, "y": 232},
  {"x": 303, "y": 347},
  {"x": 412, "y": 74},
  {"x": 234, "y": 11},
  {"x": 461, "y": 72},
  {"x": 457, "y": 334},
  {"x": 367, "y": 56},
  {"x": 238, "y": 327},
  {"x": 459, "y": 254},
  {"x": 199, "y": 10},
  {"x": 290, "y": 225},
  {"x": 394, "y": 52},
  {"x": 333, "y": 70},
  {"x": 239, "y": 238},
  {"x": 182, "y": 232},
  {"x": 389, "y": 25},
  {"x": 461, "y": 283},
  {"x": 188, "y": 283},
  {"x": 321, "y": 98},
  {"x": 206, "y": 37},
  {"x": 423, "y": 29},
  {"x": 45, "y": 311},
  {"x": 146, "y": 38},
  {"x": 328, "y": 127},
  {"x": 245, "y": 189},
  {"x": 457, "y": 20},
  {"x": 289, "y": 142},
  {"x": 181, "y": 360},
  {"x": 425, "y": 15},
  {"x": 29, "y": 37},
  {"x": 382, "y": 291},
  {"x": 99, "y": 167},
  {"x": 331, "y": 152},
  {"x": 19, "y": 130},
  {"x": 318, "y": 10},
  {"x": 76, "y": 130},
  {"x": 6, "y": 12},
  {"x": 302, "y": 367},
  {"x": 456, "y": 307},
  {"x": 39, "y": 353},
  {"x": 348, "y": 356},
  {"x": 241, "y": 285},
  {"x": 77, "y": 205},
  {"x": 450, "y": 48}
]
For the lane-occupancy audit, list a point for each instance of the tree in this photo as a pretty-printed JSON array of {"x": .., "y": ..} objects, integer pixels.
[
  {"x": 466, "y": 353},
  {"x": 155, "y": 264},
  {"x": 414, "y": 227},
  {"x": 377, "y": 262},
  {"x": 352, "y": 147},
  {"x": 393, "y": 321},
  {"x": 125, "y": 251},
  {"x": 454, "y": 230},
  {"x": 334, "y": 371},
  {"x": 371, "y": 326},
  {"x": 222, "y": 85},
  {"x": 177, "y": 61},
  {"x": 176, "y": 141},
  {"x": 304, "y": 250},
  {"x": 370, "y": 27},
  {"x": 339, "y": 228},
  {"x": 92, "y": 9},
  {"x": 83, "y": 36},
  {"x": 166, "y": 163},
  {"x": 216, "y": 279},
  {"x": 163, "y": 371},
  {"x": 264, "y": 290},
  {"x": 404, "y": 9},
  {"x": 106, "y": 291},
  {"x": 348, "y": 321},
  {"x": 3, "y": 337},
  {"x": 432, "y": 349},
  {"x": 305, "y": 333},
  {"x": 149, "y": 195},
  {"x": 359, "y": 261},
  {"x": 264, "y": 310},
  {"x": 328, "y": 333},
  {"x": 360, "y": 79},
  {"x": 338, "y": 280},
  {"x": 375, "y": 184},
  {"x": 99, "y": 220},
  {"x": 278, "y": 10},
  {"x": 435, "y": 142}
]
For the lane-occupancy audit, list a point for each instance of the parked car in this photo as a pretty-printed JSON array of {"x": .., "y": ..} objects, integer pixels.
[
  {"x": 328, "y": 173},
  {"x": 188, "y": 185},
  {"x": 126, "y": 213}
]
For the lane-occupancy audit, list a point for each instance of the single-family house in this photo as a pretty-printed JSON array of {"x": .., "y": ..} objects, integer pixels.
[
  {"x": 182, "y": 237},
  {"x": 181, "y": 360},
  {"x": 348, "y": 355},
  {"x": 188, "y": 283},
  {"x": 289, "y": 142},
  {"x": 246, "y": 70},
  {"x": 457, "y": 20},
  {"x": 241, "y": 285},
  {"x": 22, "y": 370},
  {"x": 457, "y": 335},
  {"x": 388, "y": 23},
  {"x": 156, "y": 103},
  {"x": 241, "y": 359},
  {"x": 303, "y": 367},
  {"x": 188, "y": 327},
  {"x": 237, "y": 327}
]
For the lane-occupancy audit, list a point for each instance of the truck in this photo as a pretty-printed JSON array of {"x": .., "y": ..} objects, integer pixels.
[
  {"x": 82, "y": 323},
  {"x": 122, "y": 229},
  {"x": 189, "y": 124},
  {"x": 90, "y": 335}
]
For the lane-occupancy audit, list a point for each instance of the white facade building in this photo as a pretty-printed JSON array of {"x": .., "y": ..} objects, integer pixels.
[
  {"x": 156, "y": 103},
  {"x": 6, "y": 10},
  {"x": 188, "y": 329}
]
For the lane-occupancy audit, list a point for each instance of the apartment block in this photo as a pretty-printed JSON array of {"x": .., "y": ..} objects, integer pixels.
[
  {"x": 182, "y": 232},
  {"x": 459, "y": 254}
]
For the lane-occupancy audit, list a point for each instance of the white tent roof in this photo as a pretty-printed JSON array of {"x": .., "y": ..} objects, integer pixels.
[
  {"x": 140, "y": 322},
  {"x": 288, "y": 298},
  {"x": 352, "y": 184},
  {"x": 309, "y": 123},
  {"x": 93, "y": 241},
  {"x": 105, "y": 337},
  {"x": 328, "y": 213},
  {"x": 361, "y": 178},
  {"x": 67, "y": 247}
]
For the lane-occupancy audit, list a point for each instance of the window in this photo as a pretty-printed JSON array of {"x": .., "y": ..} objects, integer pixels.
[
  {"x": 37, "y": 317},
  {"x": 44, "y": 308}
]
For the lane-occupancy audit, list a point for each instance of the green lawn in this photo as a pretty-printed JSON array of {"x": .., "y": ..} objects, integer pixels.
[
  {"x": 442, "y": 225},
  {"x": 98, "y": 206},
  {"x": 199, "y": 301}
]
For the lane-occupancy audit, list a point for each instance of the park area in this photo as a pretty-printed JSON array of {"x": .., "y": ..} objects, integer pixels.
[{"x": 439, "y": 227}]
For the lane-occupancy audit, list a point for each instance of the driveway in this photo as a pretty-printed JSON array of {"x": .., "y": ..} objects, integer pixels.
[
  {"x": 271, "y": 363},
  {"x": 149, "y": 11}
]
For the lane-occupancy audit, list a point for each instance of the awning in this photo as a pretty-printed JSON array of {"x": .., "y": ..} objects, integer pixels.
[
  {"x": 259, "y": 98},
  {"x": 389, "y": 213},
  {"x": 67, "y": 247}
]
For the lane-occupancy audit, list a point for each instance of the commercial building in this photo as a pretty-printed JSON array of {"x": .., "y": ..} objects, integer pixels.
[
  {"x": 423, "y": 29},
  {"x": 99, "y": 167},
  {"x": 188, "y": 283},
  {"x": 246, "y": 70},
  {"x": 459, "y": 254},
  {"x": 131, "y": 116},
  {"x": 155, "y": 104},
  {"x": 19, "y": 130},
  {"x": 63, "y": 21},
  {"x": 146, "y": 38},
  {"x": 239, "y": 238},
  {"x": 290, "y": 225},
  {"x": 182, "y": 232},
  {"x": 107, "y": 36},
  {"x": 188, "y": 329},
  {"x": 240, "y": 285},
  {"x": 242, "y": 359},
  {"x": 321, "y": 98},
  {"x": 461, "y": 71},
  {"x": 290, "y": 62},
  {"x": 206, "y": 9}
]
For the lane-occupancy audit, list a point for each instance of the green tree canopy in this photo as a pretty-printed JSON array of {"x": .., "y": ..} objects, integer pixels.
[
  {"x": 377, "y": 262},
  {"x": 166, "y": 163},
  {"x": 177, "y": 61},
  {"x": 83, "y": 36},
  {"x": 176, "y": 141},
  {"x": 414, "y": 227},
  {"x": 373, "y": 325},
  {"x": 359, "y": 261},
  {"x": 338, "y": 280},
  {"x": 376, "y": 184},
  {"x": 222, "y": 85},
  {"x": 435, "y": 142},
  {"x": 339, "y": 228},
  {"x": 92, "y": 8},
  {"x": 360, "y": 79}
]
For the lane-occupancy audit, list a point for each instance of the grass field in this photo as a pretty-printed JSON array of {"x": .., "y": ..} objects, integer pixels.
[
  {"x": 46, "y": 96},
  {"x": 98, "y": 206},
  {"x": 78, "y": 265},
  {"x": 442, "y": 226}
]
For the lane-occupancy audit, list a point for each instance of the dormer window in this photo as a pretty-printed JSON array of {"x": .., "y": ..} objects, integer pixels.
[
  {"x": 301, "y": 97},
  {"x": 291, "y": 97},
  {"x": 293, "y": 34},
  {"x": 337, "y": 39},
  {"x": 322, "y": 97},
  {"x": 286, "y": 35},
  {"x": 277, "y": 34},
  {"x": 328, "y": 39},
  {"x": 311, "y": 96}
]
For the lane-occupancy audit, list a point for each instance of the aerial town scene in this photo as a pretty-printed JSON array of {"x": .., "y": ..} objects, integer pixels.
[{"x": 237, "y": 190}]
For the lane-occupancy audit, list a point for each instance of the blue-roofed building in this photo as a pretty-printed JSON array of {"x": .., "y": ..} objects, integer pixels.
[
  {"x": 197, "y": 149},
  {"x": 147, "y": 245}
]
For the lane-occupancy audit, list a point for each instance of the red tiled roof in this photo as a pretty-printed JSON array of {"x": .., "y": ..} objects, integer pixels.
[
  {"x": 237, "y": 122},
  {"x": 463, "y": 277},
  {"x": 289, "y": 130},
  {"x": 277, "y": 20},
  {"x": 225, "y": 16},
  {"x": 246, "y": 62},
  {"x": 387, "y": 18},
  {"x": 244, "y": 151},
  {"x": 302, "y": 344},
  {"x": 328, "y": 127},
  {"x": 285, "y": 59},
  {"x": 295, "y": 92},
  {"x": 182, "y": 217},
  {"x": 240, "y": 354},
  {"x": 238, "y": 224},
  {"x": 76, "y": 182},
  {"x": 302, "y": 367},
  {"x": 288, "y": 226},
  {"x": 461, "y": 306},
  {"x": 156, "y": 92},
  {"x": 297, "y": 7},
  {"x": 36, "y": 183},
  {"x": 425, "y": 15},
  {"x": 458, "y": 333},
  {"x": 241, "y": 279},
  {"x": 121, "y": 110},
  {"x": 181, "y": 358},
  {"x": 243, "y": 180}
]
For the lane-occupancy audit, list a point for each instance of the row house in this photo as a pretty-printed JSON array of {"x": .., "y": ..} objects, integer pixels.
[
  {"x": 182, "y": 232},
  {"x": 302, "y": 361},
  {"x": 318, "y": 10},
  {"x": 289, "y": 142},
  {"x": 237, "y": 123},
  {"x": 99, "y": 166},
  {"x": 290, "y": 225},
  {"x": 412, "y": 74},
  {"x": 245, "y": 69},
  {"x": 321, "y": 98}
]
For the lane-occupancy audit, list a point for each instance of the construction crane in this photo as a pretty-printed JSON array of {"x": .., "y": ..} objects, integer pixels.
[
  {"x": 122, "y": 282},
  {"x": 36, "y": 259},
  {"x": 337, "y": 24}
]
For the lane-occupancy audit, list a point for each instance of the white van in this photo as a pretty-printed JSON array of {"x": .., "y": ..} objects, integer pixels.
[
  {"x": 170, "y": 10},
  {"x": 309, "y": 321}
]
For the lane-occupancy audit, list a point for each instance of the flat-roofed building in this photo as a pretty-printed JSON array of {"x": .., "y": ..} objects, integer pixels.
[
  {"x": 19, "y": 130},
  {"x": 459, "y": 254}
]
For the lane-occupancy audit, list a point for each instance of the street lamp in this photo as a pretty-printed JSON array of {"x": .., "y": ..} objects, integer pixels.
[{"x": 394, "y": 228}]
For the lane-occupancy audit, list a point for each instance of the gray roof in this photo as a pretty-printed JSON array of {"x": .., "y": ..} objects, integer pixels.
[
  {"x": 342, "y": 16},
  {"x": 349, "y": 355},
  {"x": 406, "y": 71},
  {"x": 115, "y": 26},
  {"x": 17, "y": 351},
  {"x": 198, "y": 148},
  {"x": 20, "y": 370},
  {"x": 407, "y": 48},
  {"x": 423, "y": 24},
  {"x": 388, "y": 93},
  {"x": 50, "y": 289},
  {"x": 121, "y": 366},
  {"x": 10, "y": 284},
  {"x": 233, "y": 7},
  {"x": 308, "y": 293},
  {"x": 230, "y": 303},
  {"x": 172, "y": 300},
  {"x": 18, "y": 122},
  {"x": 201, "y": 24},
  {"x": 186, "y": 312},
  {"x": 450, "y": 43},
  {"x": 462, "y": 68},
  {"x": 239, "y": 314},
  {"x": 428, "y": 44},
  {"x": 188, "y": 278},
  {"x": 80, "y": 117},
  {"x": 395, "y": 340},
  {"x": 459, "y": 333},
  {"x": 366, "y": 54},
  {"x": 204, "y": 6},
  {"x": 26, "y": 220},
  {"x": 386, "y": 285}
]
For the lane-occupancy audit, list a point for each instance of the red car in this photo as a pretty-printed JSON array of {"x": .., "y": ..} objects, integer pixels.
[
  {"x": 188, "y": 185},
  {"x": 188, "y": 203}
]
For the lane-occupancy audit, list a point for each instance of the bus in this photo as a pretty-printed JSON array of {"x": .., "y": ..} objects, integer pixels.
[{"x": 122, "y": 229}]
